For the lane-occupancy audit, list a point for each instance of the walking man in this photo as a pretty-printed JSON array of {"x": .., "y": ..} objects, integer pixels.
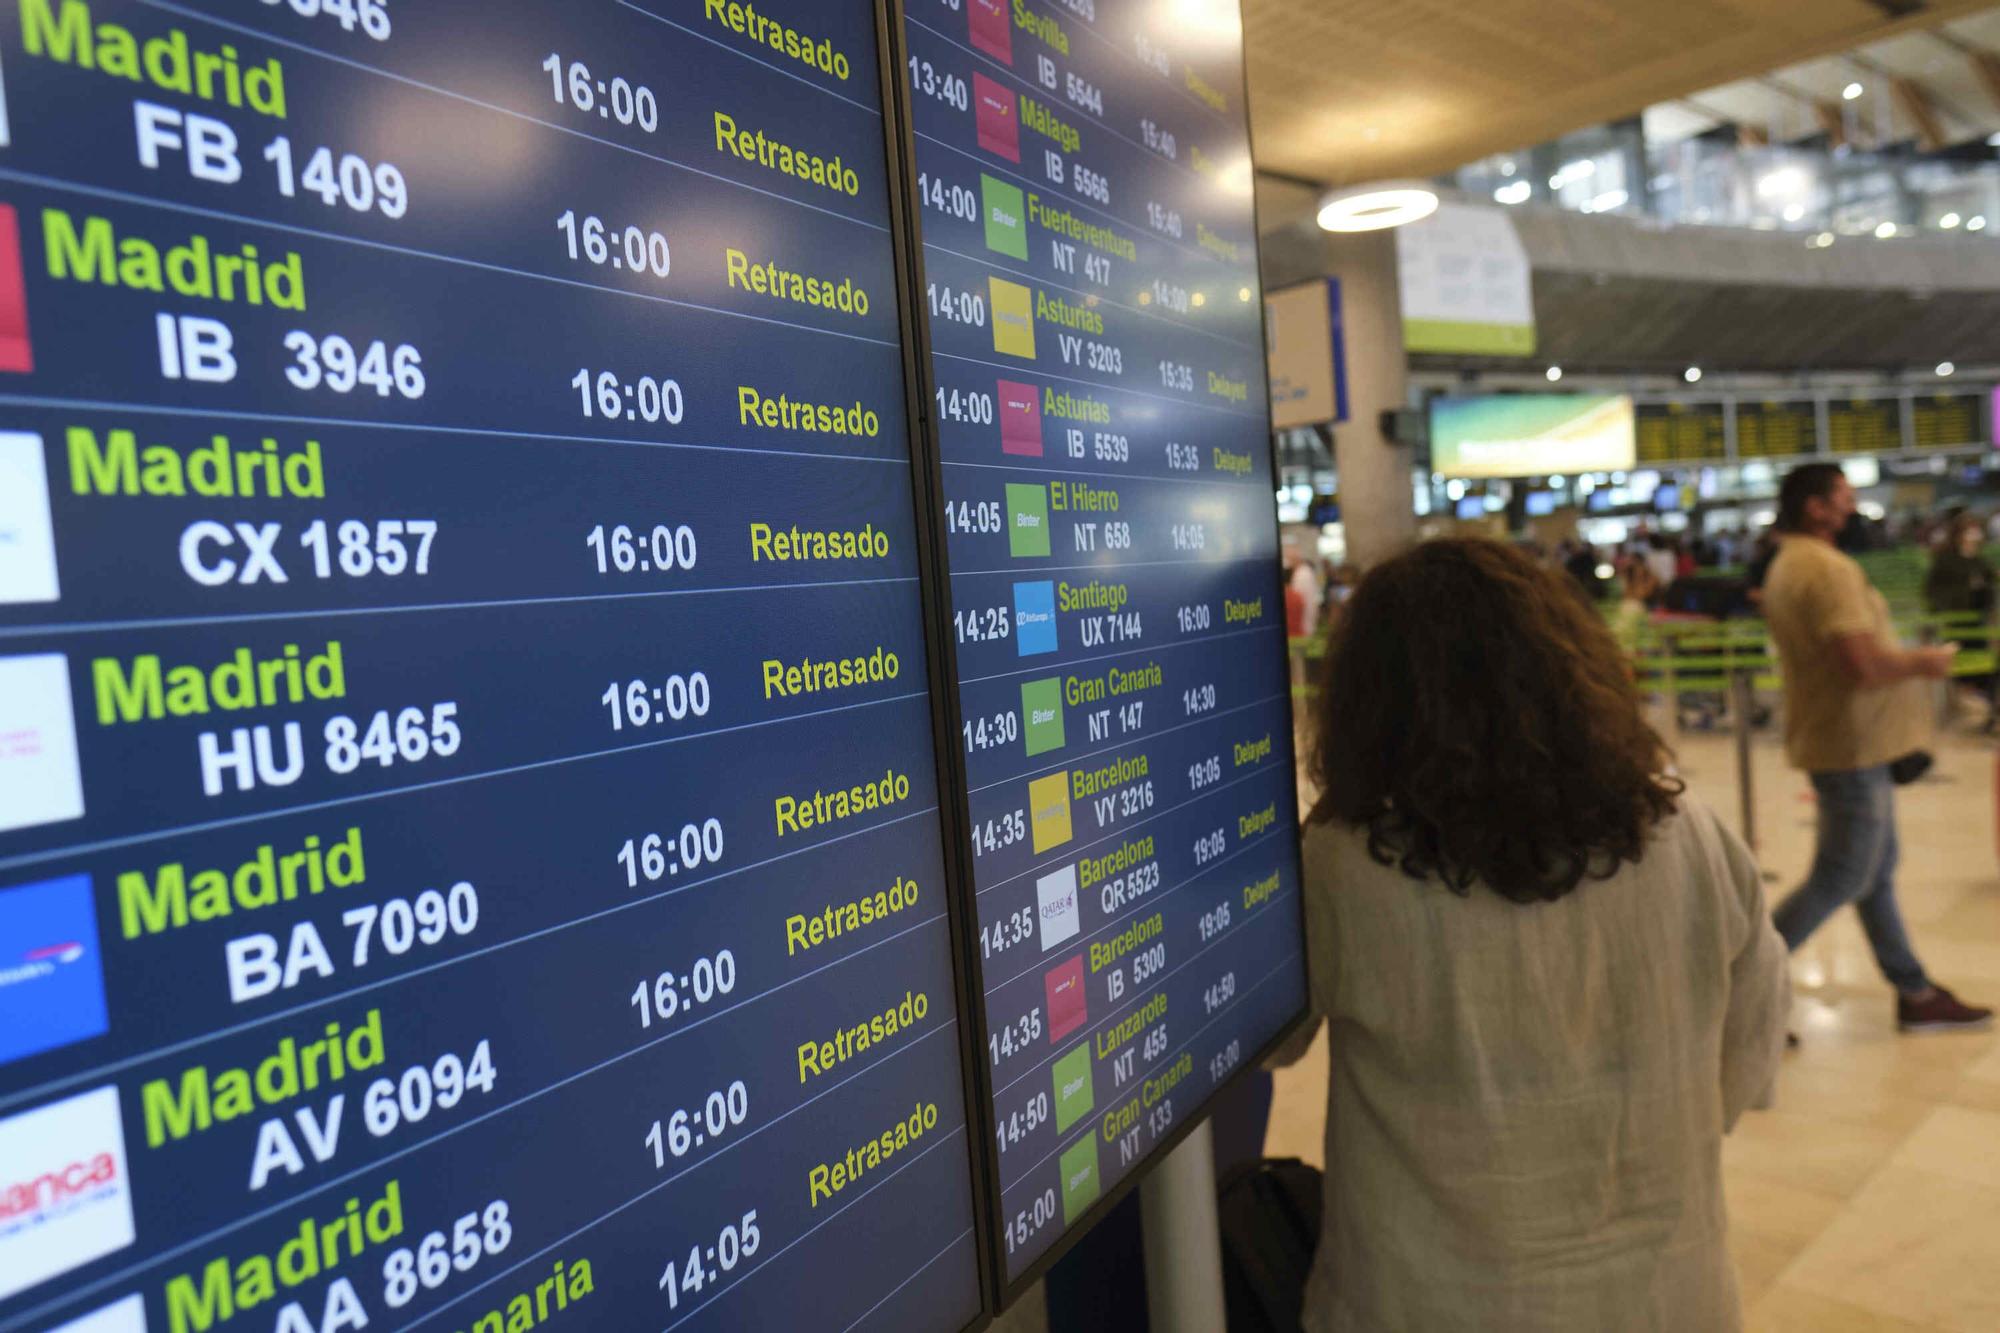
[{"x": 1853, "y": 704}]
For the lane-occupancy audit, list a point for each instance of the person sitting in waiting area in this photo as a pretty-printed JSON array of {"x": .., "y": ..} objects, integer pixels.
[{"x": 1549, "y": 978}]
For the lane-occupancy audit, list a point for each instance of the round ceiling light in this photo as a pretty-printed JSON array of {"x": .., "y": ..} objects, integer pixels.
[{"x": 1375, "y": 207}]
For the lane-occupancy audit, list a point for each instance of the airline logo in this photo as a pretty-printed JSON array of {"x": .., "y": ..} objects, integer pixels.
[
  {"x": 1060, "y": 913},
  {"x": 1042, "y": 715},
  {"x": 39, "y": 779},
  {"x": 126, "y": 1316},
  {"x": 1013, "y": 318},
  {"x": 1068, "y": 1005},
  {"x": 65, "y": 1193},
  {"x": 1074, "y": 1095},
  {"x": 1034, "y": 619},
  {"x": 1079, "y": 1178},
  {"x": 1048, "y": 806},
  {"x": 1006, "y": 217},
  {"x": 1020, "y": 419},
  {"x": 51, "y": 976},
  {"x": 27, "y": 532},
  {"x": 999, "y": 120},
  {"x": 16, "y": 353},
  {"x": 991, "y": 32},
  {"x": 1027, "y": 521}
]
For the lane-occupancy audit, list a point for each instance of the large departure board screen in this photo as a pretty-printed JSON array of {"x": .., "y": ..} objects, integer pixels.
[
  {"x": 1083, "y": 175},
  {"x": 470, "y": 848}
]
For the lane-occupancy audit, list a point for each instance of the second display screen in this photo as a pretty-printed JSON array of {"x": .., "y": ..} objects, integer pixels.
[{"x": 1083, "y": 182}]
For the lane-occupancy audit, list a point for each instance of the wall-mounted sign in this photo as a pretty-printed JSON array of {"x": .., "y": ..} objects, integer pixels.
[
  {"x": 1307, "y": 352},
  {"x": 1465, "y": 284}
]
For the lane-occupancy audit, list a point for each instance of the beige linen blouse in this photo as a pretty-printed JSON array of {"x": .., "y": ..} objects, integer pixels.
[{"x": 1527, "y": 1104}]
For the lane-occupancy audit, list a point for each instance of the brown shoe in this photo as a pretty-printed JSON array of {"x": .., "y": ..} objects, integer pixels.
[{"x": 1942, "y": 1012}]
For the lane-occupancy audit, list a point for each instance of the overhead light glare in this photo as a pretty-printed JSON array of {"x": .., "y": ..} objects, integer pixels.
[
  {"x": 1606, "y": 202},
  {"x": 1975, "y": 224},
  {"x": 1946, "y": 369},
  {"x": 1692, "y": 374},
  {"x": 1514, "y": 192},
  {"x": 1377, "y": 207},
  {"x": 1950, "y": 221},
  {"x": 1793, "y": 212},
  {"x": 1885, "y": 230},
  {"x": 1581, "y": 169},
  {"x": 1555, "y": 373},
  {"x": 1852, "y": 91}
]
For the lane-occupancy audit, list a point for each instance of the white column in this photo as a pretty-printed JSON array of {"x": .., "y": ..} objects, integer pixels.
[{"x": 1183, "y": 1239}]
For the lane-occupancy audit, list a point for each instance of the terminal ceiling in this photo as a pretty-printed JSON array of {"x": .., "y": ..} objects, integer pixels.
[{"x": 1356, "y": 90}]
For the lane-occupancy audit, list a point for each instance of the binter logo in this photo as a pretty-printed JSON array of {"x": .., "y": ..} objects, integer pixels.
[
  {"x": 65, "y": 1196},
  {"x": 1027, "y": 521},
  {"x": 1006, "y": 220}
]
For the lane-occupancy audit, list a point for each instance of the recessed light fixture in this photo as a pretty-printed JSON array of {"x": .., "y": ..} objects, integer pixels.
[
  {"x": 1852, "y": 91},
  {"x": 1885, "y": 230},
  {"x": 1975, "y": 223},
  {"x": 1243, "y": 293},
  {"x": 1555, "y": 373},
  {"x": 1377, "y": 207},
  {"x": 1793, "y": 212},
  {"x": 1949, "y": 221},
  {"x": 1692, "y": 374},
  {"x": 1514, "y": 192},
  {"x": 1945, "y": 369}
]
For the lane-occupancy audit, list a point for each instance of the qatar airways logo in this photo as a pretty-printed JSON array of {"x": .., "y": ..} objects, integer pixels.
[
  {"x": 1060, "y": 913},
  {"x": 65, "y": 1196}
]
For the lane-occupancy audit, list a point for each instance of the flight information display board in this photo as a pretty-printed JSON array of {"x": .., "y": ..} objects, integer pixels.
[
  {"x": 1770, "y": 428},
  {"x": 1089, "y": 247},
  {"x": 470, "y": 847},
  {"x": 1864, "y": 425},
  {"x": 1681, "y": 433}
]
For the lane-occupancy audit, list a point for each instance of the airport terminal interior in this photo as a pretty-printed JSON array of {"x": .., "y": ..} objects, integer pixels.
[{"x": 724, "y": 665}]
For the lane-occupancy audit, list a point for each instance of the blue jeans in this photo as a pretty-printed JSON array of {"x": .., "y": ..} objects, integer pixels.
[{"x": 1855, "y": 862}]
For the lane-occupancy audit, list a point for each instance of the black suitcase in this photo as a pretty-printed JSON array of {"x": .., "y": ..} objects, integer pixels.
[{"x": 1270, "y": 1216}]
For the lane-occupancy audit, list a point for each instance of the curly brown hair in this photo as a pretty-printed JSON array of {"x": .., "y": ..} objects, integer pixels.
[{"x": 1479, "y": 721}]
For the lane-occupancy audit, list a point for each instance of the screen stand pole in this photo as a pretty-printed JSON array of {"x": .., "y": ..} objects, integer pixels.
[{"x": 1183, "y": 1239}]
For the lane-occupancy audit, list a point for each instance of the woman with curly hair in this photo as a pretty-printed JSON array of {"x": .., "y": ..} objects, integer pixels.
[{"x": 1551, "y": 983}]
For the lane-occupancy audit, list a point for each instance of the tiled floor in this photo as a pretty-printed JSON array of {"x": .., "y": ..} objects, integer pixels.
[{"x": 1868, "y": 1199}]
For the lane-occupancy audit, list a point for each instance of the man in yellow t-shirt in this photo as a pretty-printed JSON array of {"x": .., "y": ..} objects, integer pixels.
[{"x": 1854, "y": 702}]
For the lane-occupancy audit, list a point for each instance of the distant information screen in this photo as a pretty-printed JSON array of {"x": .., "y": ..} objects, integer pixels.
[
  {"x": 469, "y": 848},
  {"x": 1095, "y": 317},
  {"x": 1528, "y": 434}
]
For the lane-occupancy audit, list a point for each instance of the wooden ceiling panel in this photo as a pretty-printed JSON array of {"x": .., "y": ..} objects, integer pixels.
[{"x": 1354, "y": 90}]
